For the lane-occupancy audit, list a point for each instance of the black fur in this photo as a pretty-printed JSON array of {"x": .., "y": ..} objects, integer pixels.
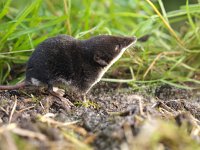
[{"x": 75, "y": 61}]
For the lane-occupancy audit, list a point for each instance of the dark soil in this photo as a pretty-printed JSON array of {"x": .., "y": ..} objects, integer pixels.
[{"x": 112, "y": 118}]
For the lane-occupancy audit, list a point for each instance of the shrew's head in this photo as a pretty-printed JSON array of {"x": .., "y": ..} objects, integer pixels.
[{"x": 106, "y": 48}]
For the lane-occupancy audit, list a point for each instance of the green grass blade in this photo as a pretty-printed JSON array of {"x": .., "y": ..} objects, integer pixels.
[
  {"x": 5, "y": 8},
  {"x": 20, "y": 18}
]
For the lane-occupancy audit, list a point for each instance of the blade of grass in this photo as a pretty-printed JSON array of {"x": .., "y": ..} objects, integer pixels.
[
  {"x": 158, "y": 57},
  {"x": 176, "y": 85},
  {"x": 81, "y": 34},
  {"x": 163, "y": 10},
  {"x": 26, "y": 11},
  {"x": 7, "y": 73},
  {"x": 67, "y": 6},
  {"x": 192, "y": 24},
  {"x": 31, "y": 30},
  {"x": 5, "y": 9},
  {"x": 129, "y": 80},
  {"x": 130, "y": 14},
  {"x": 165, "y": 23},
  {"x": 189, "y": 16}
]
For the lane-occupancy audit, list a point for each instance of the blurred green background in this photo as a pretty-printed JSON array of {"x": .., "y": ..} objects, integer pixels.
[{"x": 161, "y": 59}]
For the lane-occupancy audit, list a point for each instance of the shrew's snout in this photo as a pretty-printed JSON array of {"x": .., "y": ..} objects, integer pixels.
[
  {"x": 130, "y": 41},
  {"x": 133, "y": 39}
]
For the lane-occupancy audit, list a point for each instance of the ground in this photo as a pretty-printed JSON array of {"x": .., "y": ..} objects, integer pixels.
[{"x": 113, "y": 117}]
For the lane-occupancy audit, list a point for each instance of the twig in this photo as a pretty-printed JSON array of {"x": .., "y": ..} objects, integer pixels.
[
  {"x": 13, "y": 110},
  {"x": 42, "y": 105},
  {"x": 27, "y": 108},
  {"x": 1, "y": 108},
  {"x": 30, "y": 134},
  {"x": 48, "y": 120}
]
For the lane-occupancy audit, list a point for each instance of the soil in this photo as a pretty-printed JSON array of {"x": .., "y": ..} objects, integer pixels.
[{"x": 113, "y": 117}]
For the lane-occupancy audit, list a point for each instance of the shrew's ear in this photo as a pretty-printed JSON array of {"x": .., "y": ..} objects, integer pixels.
[{"x": 99, "y": 60}]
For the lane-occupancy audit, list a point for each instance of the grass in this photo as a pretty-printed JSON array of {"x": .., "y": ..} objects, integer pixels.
[{"x": 171, "y": 55}]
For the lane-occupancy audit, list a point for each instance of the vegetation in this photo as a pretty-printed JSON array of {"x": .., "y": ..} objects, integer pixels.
[{"x": 171, "y": 55}]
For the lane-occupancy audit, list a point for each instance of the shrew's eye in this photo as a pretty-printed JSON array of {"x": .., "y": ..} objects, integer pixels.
[{"x": 117, "y": 48}]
